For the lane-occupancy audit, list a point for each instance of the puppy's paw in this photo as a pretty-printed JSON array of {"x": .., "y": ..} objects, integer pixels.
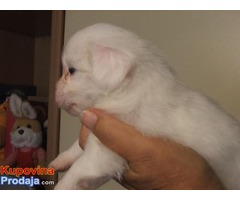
[
  {"x": 82, "y": 184},
  {"x": 62, "y": 163},
  {"x": 63, "y": 185},
  {"x": 71, "y": 183},
  {"x": 56, "y": 166}
]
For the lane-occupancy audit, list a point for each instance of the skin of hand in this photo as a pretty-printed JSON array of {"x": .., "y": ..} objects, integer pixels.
[{"x": 154, "y": 163}]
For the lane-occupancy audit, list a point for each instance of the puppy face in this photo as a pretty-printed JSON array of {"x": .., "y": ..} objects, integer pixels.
[{"x": 96, "y": 61}]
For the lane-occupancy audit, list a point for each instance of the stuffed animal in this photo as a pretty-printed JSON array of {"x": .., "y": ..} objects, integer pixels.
[{"x": 26, "y": 135}]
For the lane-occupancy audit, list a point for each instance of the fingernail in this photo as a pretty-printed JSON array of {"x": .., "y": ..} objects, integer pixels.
[{"x": 89, "y": 119}]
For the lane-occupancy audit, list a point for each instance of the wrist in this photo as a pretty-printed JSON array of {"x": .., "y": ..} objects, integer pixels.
[{"x": 200, "y": 179}]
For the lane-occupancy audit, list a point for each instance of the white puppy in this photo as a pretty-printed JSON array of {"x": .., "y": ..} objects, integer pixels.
[{"x": 113, "y": 69}]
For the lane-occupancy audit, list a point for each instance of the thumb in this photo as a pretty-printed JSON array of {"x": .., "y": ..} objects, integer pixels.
[{"x": 122, "y": 138}]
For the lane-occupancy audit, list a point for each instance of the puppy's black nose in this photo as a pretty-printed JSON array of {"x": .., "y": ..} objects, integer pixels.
[{"x": 20, "y": 131}]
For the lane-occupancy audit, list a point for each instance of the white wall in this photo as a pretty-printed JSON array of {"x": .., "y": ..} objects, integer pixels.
[{"x": 202, "y": 46}]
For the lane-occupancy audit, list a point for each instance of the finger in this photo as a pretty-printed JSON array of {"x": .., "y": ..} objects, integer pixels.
[
  {"x": 84, "y": 132},
  {"x": 116, "y": 135}
]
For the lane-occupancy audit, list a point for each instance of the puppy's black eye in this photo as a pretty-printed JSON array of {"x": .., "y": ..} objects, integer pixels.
[
  {"x": 29, "y": 126},
  {"x": 71, "y": 70}
]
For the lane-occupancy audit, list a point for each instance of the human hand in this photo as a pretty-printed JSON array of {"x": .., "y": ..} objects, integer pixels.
[{"x": 154, "y": 163}]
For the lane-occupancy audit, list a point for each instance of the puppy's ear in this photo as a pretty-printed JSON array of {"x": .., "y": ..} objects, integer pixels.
[{"x": 110, "y": 66}]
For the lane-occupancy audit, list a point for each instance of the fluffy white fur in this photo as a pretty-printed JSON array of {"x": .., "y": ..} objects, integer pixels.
[{"x": 126, "y": 76}]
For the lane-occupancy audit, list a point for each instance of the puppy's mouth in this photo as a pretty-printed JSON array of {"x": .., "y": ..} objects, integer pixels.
[
  {"x": 73, "y": 109},
  {"x": 70, "y": 107}
]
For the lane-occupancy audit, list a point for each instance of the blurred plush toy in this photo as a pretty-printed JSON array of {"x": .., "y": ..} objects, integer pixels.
[
  {"x": 26, "y": 136},
  {"x": 3, "y": 119}
]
